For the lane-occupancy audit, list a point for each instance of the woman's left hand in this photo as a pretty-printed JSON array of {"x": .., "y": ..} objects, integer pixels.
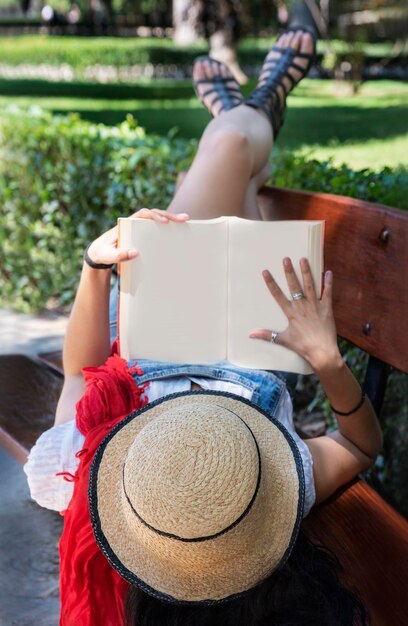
[
  {"x": 311, "y": 330},
  {"x": 105, "y": 249}
]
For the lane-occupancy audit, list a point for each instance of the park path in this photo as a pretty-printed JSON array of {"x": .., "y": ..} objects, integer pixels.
[{"x": 29, "y": 535}]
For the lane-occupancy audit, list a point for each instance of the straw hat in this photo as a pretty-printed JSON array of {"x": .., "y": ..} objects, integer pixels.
[{"x": 197, "y": 497}]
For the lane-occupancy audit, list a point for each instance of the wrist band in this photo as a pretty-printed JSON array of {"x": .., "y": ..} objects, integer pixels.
[
  {"x": 355, "y": 409},
  {"x": 95, "y": 266}
]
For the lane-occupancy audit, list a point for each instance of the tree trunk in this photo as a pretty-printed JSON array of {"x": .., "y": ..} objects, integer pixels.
[
  {"x": 216, "y": 20},
  {"x": 224, "y": 29},
  {"x": 188, "y": 21}
]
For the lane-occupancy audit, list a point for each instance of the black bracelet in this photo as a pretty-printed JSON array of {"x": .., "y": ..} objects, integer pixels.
[
  {"x": 95, "y": 266},
  {"x": 356, "y": 408}
]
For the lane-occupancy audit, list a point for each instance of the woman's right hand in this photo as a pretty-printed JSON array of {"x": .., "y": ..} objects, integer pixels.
[
  {"x": 105, "y": 249},
  {"x": 311, "y": 330}
]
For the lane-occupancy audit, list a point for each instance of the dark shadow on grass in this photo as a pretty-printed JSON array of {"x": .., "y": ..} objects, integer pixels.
[
  {"x": 325, "y": 125},
  {"x": 190, "y": 123},
  {"x": 306, "y": 125},
  {"x": 172, "y": 89}
]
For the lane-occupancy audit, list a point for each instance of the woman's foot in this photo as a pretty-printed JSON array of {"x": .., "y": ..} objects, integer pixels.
[
  {"x": 215, "y": 86},
  {"x": 285, "y": 65}
]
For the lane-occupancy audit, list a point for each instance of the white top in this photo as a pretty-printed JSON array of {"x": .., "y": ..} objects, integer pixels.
[{"x": 55, "y": 449}]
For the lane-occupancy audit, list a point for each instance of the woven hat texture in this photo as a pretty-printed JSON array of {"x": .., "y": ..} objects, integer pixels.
[{"x": 197, "y": 497}]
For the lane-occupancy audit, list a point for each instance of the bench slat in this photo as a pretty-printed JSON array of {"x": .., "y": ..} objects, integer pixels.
[
  {"x": 29, "y": 393},
  {"x": 370, "y": 540}
]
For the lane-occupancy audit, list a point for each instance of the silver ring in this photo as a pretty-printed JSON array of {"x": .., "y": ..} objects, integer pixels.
[
  {"x": 273, "y": 336},
  {"x": 298, "y": 295}
]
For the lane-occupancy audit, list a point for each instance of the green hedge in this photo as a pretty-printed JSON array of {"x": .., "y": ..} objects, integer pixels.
[
  {"x": 388, "y": 186},
  {"x": 63, "y": 181},
  {"x": 82, "y": 52}
]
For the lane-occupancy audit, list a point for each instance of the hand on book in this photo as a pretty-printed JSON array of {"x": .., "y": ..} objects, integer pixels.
[
  {"x": 311, "y": 330},
  {"x": 105, "y": 248}
]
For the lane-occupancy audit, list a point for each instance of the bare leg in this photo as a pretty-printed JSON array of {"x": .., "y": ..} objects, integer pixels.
[
  {"x": 234, "y": 149},
  {"x": 251, "y": 208},
  {"x": 232, "y": 158}
]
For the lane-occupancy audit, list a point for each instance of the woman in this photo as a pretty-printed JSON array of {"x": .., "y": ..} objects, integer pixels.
[{"x": 233, "y": 559}]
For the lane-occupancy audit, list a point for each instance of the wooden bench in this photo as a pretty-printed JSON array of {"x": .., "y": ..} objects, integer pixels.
[
  {"x": 29, "y": 392},
  {"x": 366, "y": 246}
]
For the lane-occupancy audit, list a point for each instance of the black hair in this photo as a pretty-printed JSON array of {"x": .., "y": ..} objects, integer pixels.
[{"x": 306, "y": 591}]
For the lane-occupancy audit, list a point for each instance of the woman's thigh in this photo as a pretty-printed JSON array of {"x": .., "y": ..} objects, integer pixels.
[{"x": 217, "y": 181}]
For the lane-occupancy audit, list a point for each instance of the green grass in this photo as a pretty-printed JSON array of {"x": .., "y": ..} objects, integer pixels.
[{"x": 366, "y": 130}]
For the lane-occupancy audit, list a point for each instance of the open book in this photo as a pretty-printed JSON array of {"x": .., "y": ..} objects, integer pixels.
[{"x": 196, "y": 290}]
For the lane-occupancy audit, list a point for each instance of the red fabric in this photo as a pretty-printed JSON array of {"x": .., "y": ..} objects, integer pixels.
[
  {"x": 92, "y": 592},
  {"x": 110, "y": 392}
]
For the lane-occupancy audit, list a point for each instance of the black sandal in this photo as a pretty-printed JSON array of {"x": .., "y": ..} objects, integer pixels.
[
  {"x": 266, "y": 97},
  {"x": 225, "y": 89}
]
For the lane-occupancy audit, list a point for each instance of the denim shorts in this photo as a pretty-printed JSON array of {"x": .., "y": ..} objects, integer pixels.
[{"x": 267, "y": 386}]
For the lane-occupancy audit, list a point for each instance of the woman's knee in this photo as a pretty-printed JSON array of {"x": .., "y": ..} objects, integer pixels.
[{"x": 228, "y": 140}]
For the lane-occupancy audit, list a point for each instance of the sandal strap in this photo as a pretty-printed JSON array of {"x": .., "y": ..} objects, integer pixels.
[
  {"x": 304, "y": 55},
  {"x": 235, "y": 92},
  {"x": 274, "y": 70},
  {"x": 223, "y": 88},
  {"x": 218, "y": 80},
  {"x": 304, "y": 28},
  {"x": 219, "y": 97}
]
